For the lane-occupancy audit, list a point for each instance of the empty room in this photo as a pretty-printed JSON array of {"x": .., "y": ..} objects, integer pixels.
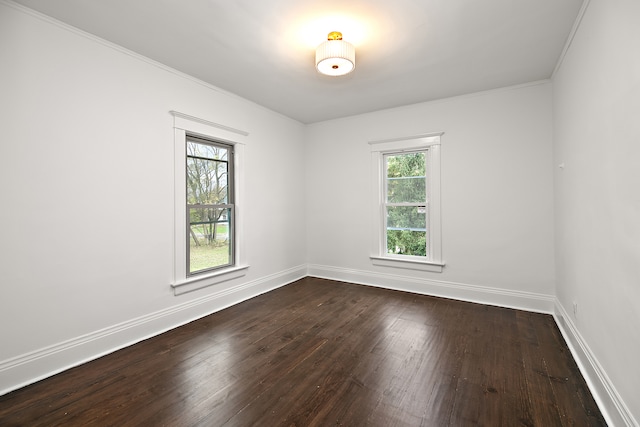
[{"x": 279, "y": 212}]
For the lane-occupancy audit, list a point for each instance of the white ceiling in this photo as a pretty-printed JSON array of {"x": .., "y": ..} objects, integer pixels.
[{"x": 407, "y": 51}]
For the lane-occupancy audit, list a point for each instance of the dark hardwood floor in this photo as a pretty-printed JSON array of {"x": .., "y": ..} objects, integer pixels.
[{"x": 323, "y": 353}]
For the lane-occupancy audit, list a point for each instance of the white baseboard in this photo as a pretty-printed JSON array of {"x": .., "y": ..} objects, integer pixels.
[
  {"x": 28, "y": 368},
  {"x": 528, "y": 301},
  {"x": 609, "y": 401}
]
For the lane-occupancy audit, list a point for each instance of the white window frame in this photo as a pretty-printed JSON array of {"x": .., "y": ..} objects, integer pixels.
[
  {"x": 379, "y": 256},
  {"x": 185, "y": 124}
]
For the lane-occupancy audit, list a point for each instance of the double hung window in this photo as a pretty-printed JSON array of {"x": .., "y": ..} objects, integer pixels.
[
  {"x": 208, "y": 200},
  {"x": 210, "y": 205},
  {"x": 406, "y": 182},
  {"x": 405, "y": 204}
]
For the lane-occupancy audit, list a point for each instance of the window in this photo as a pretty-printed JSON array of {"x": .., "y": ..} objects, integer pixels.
[
  {"x": 208, "y": 201},
  {"x": 210, "y": 208},
  {"x": 406, "y": 181},
  {"x": 405, "y": 203}
]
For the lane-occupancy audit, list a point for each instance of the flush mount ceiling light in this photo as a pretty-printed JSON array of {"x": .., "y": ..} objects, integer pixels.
[{"x": 335, "y": 57}]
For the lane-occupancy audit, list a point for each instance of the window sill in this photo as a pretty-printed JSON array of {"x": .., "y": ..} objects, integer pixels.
[
  {"x": 434, "y": 267},
  {"x": 202, "y": 281}
]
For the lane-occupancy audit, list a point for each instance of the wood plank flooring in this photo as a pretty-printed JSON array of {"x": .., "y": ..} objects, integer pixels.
[{"x": 325, "y": 353}]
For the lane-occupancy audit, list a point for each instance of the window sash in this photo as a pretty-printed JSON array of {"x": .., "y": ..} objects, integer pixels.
[
  {"x": 229, "y": 161},
  {"x": 230, "y": 234}
]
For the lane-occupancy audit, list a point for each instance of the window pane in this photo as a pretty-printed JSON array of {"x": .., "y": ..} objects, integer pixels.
[
  {"x": 206, "y": 151},
  {"x": 406, "y": 180},
  {"x": 207, "y": 182},
  {"x": 406, "y": 189},
  {"x": 210, "y": 232},
  {"x": 207, "y": 174},
  {"x": 402, "y": 217},
  {"x": 407, "y": 230},
  {"x": 405, "y": 242}
]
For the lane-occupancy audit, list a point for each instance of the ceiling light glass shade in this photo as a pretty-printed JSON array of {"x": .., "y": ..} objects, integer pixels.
[{"x": 335, "y": 58}]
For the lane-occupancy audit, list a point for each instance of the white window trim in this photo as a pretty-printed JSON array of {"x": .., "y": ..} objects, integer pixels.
[
  {"x": 185, "y": 124},
  {"x": 378, "y": 251}
]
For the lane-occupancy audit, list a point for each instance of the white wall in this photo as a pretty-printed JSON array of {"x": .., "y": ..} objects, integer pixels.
[
  {"x": 497, "y": 187},
  {"x": 86, "y": 176},
  {"x": 597, "y": 137}
]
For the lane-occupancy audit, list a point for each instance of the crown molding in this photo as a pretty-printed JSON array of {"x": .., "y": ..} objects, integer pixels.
[{"x": 572, "y": 34}]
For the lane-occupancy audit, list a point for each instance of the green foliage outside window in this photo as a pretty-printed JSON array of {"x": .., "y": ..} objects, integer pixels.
[
  {"x": 406, "y": 183},
  {"x": 407, "y": 242}
]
